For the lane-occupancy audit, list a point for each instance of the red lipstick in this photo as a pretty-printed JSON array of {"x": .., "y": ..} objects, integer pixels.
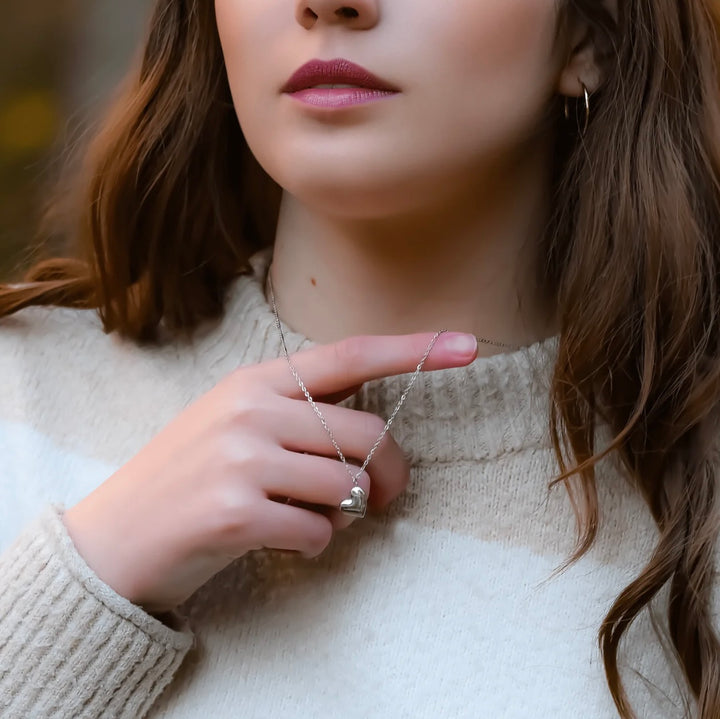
[{"x": 336, "y": 83}]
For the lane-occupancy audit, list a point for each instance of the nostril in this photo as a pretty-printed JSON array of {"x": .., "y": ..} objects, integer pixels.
[
  {"x": 308, "y": 13},
  {"x": 347, "y": 12}
]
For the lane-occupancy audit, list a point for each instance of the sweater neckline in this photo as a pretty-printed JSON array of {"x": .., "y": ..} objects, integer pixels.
[{"x": 495, "y": 405}]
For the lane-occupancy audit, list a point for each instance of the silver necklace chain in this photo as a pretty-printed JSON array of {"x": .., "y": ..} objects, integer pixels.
[
  {"x": 357, "y": 503},
  {"x": 317, "y": 409}
]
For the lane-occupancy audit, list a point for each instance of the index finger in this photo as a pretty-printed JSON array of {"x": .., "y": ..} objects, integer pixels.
[{"x": 331, "y": 368}]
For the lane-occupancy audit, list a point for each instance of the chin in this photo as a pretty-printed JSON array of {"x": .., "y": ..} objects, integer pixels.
[
  {"x": 357, "y": 194},
  {"x": 359, "y": 180}
]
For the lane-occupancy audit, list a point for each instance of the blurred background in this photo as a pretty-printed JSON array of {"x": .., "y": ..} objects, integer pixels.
[{"x": 59, "y": 62}]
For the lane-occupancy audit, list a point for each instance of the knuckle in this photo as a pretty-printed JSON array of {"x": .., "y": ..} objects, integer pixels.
[
  {"x": 242, "y": 455},
  {"x": 237, "y": 479},
  {"x": 239, "y": 399},
  {"x": 246, "y": 413},
  {"x": 244, "y": 408},
  {"x": 232, "y": 515}
]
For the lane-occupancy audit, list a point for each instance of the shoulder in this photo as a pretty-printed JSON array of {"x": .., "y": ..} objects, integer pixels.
[
  {"x": 46, "y": 351},
  {"x": 69, "y": 389},
  {"x": 47, "y": 331},
  {"x": 59, "y": 370},
  {"x": 38, "y": 324}
]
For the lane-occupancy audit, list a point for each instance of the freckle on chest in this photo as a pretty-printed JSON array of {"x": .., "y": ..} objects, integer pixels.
[{"x": 314, "y": 281}]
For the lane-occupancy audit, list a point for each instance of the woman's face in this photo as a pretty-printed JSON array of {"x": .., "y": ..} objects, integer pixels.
[{"x": 471, "y": 77}]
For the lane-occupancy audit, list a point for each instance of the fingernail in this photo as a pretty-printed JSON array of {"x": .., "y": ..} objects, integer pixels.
[{"x": 459, "y": 343}]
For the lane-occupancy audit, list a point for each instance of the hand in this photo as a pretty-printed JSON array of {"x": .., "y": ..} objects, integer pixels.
[{"x": 212, "y": 485}]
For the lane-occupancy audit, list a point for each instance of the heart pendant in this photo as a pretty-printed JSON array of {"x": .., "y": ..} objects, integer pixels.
[{"x": 356, "y": 504}]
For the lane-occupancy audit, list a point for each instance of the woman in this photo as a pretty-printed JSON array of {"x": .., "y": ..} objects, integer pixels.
[{"x": 181, "y": 535}]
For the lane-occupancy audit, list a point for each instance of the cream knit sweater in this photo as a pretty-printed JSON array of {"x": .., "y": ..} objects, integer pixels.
[{"x": 443, "y": 606}]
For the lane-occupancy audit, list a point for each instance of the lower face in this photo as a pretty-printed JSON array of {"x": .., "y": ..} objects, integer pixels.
[{"x": 473, "y": 83}]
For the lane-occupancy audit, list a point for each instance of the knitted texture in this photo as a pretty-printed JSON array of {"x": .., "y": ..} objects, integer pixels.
[
  {"x": 58, "y": 621},
  {"x": 444, "y": 605}
]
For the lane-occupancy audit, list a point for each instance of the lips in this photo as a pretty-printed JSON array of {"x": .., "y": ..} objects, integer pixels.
[{"x": 335, "y": 72}]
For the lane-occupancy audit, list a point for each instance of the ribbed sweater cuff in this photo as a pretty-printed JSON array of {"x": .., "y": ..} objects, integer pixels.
[{"x": 70, "y": 646}]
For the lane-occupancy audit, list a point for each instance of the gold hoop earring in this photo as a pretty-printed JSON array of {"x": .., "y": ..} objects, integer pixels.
[{"x": 587, "y": 107}]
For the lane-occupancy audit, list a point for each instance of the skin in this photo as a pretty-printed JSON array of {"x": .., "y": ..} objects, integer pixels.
[
  {"x": 211, "y": 485},
  {"x": 410, "y": 214},
  {"x": 420, "y": 211}
]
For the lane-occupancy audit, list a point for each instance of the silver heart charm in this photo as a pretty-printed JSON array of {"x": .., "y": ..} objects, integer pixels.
[{"x": 356, "y": 504}]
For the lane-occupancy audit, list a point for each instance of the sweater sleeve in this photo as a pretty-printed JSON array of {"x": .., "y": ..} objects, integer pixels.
[{"x": 70, "y": 646}]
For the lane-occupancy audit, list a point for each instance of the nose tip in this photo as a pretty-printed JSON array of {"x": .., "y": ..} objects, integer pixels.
[{"x": 356, "y": 14}]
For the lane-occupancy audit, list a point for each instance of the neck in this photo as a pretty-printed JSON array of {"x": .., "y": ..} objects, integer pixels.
[{"x": 469, "y": 265}]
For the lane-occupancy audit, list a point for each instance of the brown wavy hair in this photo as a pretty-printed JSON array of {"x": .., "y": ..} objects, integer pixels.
[{"x": 169, "y": 204}]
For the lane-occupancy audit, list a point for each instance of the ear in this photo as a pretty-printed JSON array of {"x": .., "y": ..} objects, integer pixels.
[{"x": 580, "y": 66}]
